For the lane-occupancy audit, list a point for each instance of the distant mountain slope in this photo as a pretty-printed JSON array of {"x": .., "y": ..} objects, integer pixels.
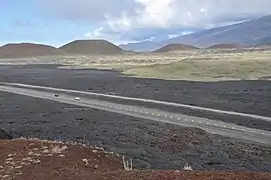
[
  {"x": 227, "y": 46},
  {"x": 242, "y": 33},
  {"x": 262, "y": 41},
  {"x": 142, "y": 46},
  {"x": 250, "y": 32},
  {"x": 21, "y": 50},
  {"x": 91, "y": 47},
  {"x": 175, "y": 47}
]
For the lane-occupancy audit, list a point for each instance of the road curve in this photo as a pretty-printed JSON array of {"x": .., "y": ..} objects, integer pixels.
[
  {"x": 143, "y": 100},
  {"x": 212, "y": 126}
]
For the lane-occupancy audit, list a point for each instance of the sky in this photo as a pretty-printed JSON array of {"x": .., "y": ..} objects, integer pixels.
[{"x": 56, "y": 22}]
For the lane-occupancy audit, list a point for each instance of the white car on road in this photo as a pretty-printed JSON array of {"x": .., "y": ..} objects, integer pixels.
[{"x": 77, "y": 98}]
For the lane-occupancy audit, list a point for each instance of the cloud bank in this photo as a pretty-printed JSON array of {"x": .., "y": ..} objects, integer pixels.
[{"x": 135, "y": 20}]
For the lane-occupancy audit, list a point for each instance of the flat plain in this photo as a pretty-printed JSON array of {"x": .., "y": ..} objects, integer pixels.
[{"x": 196, "y": 65}]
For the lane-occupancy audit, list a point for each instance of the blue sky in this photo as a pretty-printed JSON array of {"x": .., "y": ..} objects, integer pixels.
[
  {"x": 21, "y": 21},
  {"x": 57, "y": 22}
]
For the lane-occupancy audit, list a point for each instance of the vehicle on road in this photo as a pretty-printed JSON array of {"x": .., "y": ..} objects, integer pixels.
[
  {"x": 56, "y": 95},
  {"x": 77, "y": 98}
]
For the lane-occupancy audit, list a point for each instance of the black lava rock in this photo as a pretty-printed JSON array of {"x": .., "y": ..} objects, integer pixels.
[{"x": 4, "y": 135}]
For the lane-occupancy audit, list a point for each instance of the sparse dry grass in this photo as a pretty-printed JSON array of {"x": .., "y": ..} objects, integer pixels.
[
  {"x": 117, "y": 62},
  {"x": 227, "y": 67},
  {"x": 193, "y": 65},
  {"x": 199, "y": 65},
  {"x": 23, "y": 157},
  {"x": 14, "y": 162}
]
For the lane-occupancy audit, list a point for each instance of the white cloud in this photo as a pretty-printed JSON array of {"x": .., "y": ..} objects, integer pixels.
[
  {"x": 156, "y": 12},
  {"x": 115, "y": 18},
  {"x": 95, "y": 33}
]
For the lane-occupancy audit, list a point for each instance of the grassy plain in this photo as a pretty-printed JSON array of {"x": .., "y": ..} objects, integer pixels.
[
  {"x": 197, "y": 65},
  {"x": 190, "y": 65}
]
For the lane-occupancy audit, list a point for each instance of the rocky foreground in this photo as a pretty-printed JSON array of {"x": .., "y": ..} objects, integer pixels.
[{"x": 43, "y": 160}]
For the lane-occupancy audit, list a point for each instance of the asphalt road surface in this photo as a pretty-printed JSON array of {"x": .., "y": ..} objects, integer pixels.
[
  {"x": 141, "y": 100},
  {"x": 213, "y": 126}
]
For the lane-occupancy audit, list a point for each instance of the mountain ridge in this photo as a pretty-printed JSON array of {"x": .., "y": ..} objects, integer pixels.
[{"x": 249, "y": 32}]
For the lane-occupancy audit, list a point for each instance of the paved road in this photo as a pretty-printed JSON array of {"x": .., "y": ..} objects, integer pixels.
[
  {"x": 141, "y": 100},
  {"x": 212, "y": 126}
]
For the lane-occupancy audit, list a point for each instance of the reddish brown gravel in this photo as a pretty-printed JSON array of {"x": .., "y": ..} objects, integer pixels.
[{"x": 45, "y": 160}]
